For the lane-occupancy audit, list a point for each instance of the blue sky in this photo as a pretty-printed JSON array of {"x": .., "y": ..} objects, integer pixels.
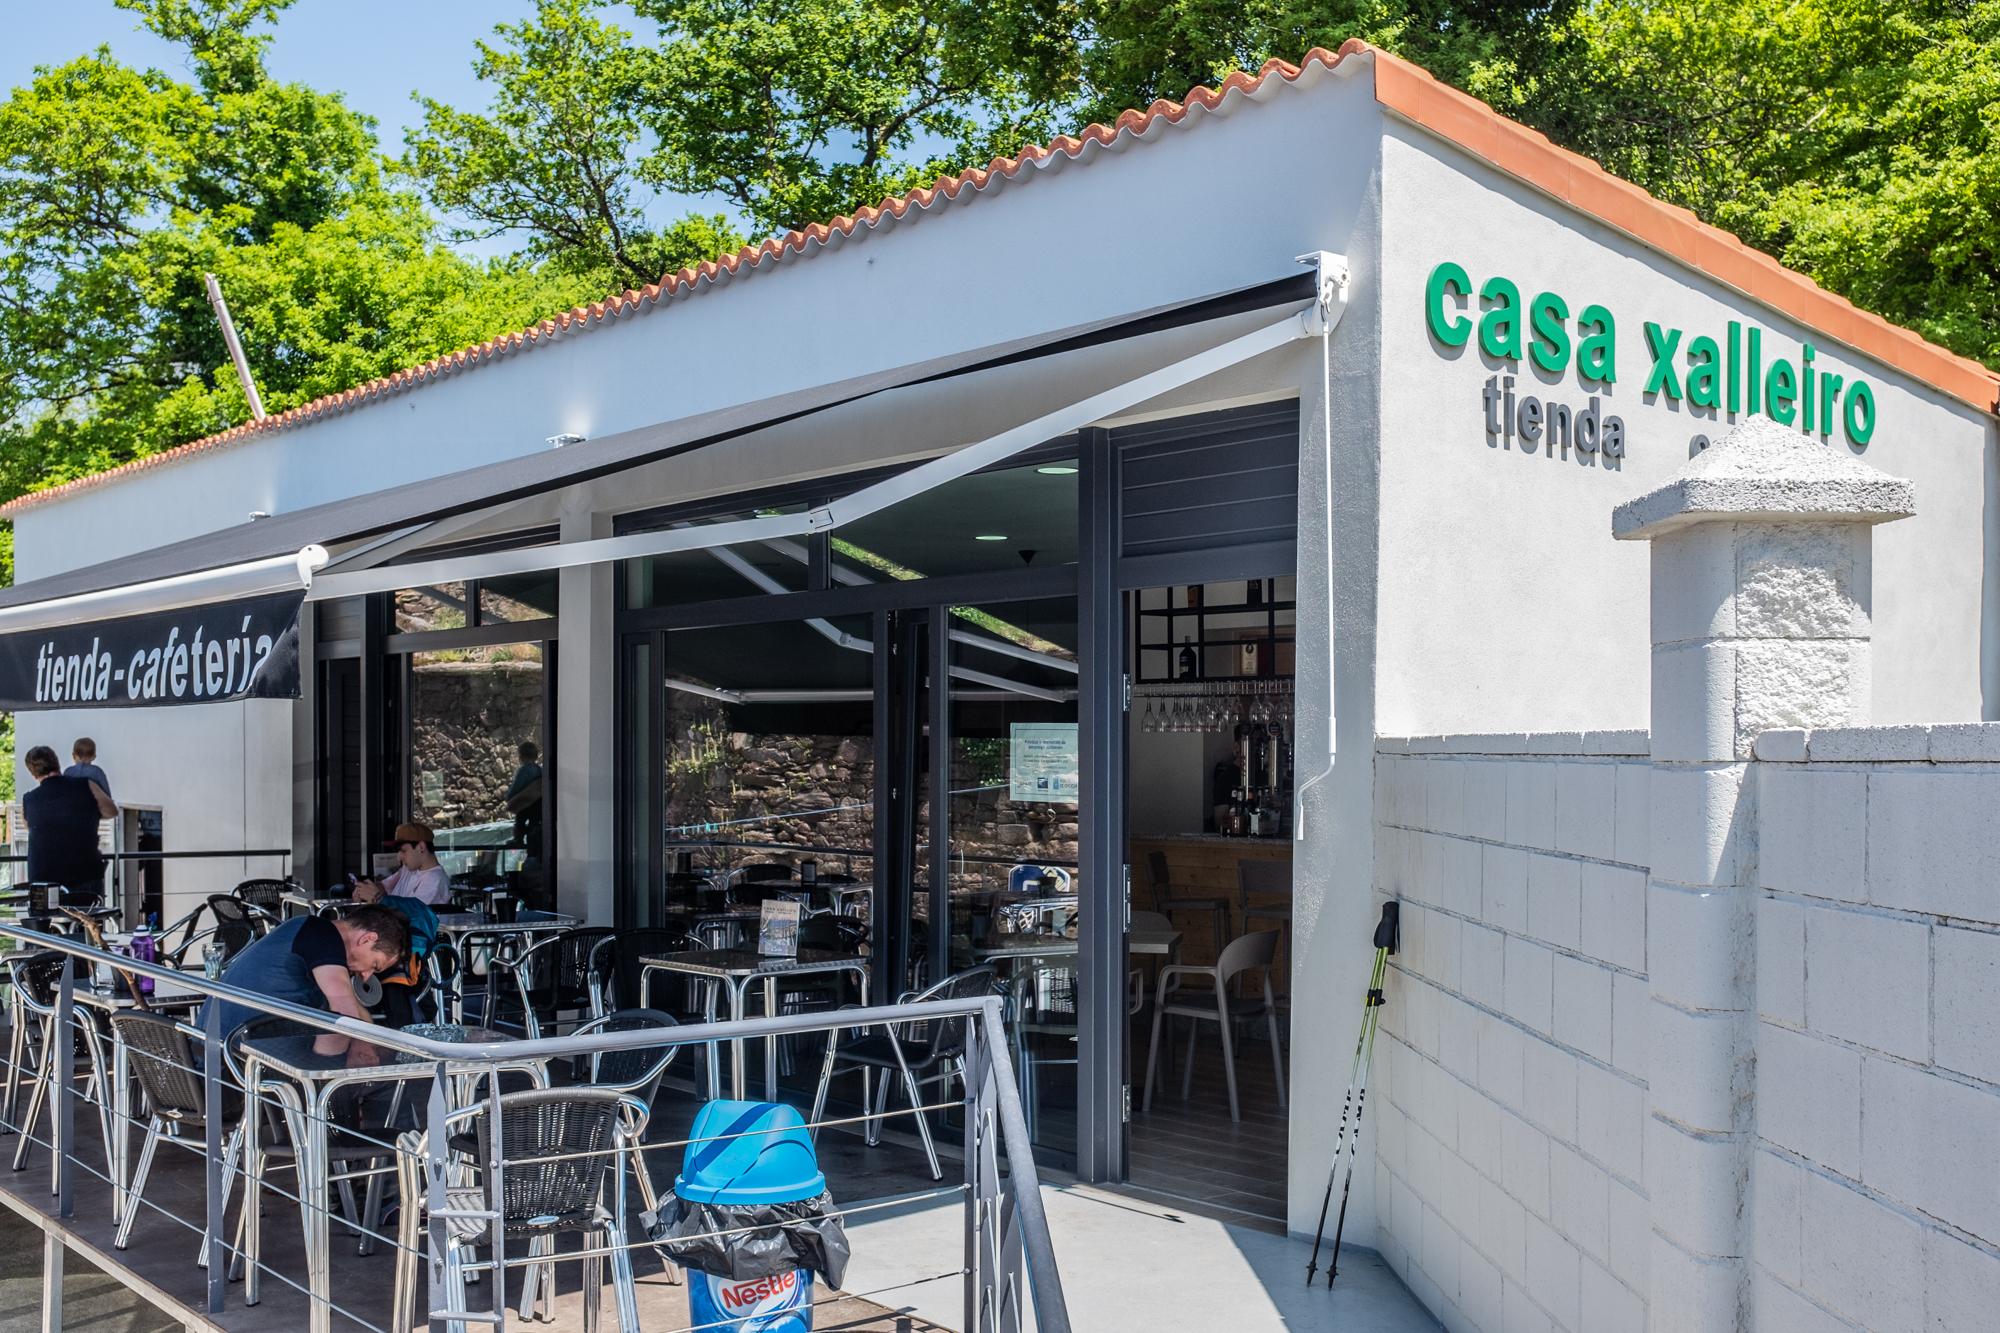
[{"x": 376, "y": 52}]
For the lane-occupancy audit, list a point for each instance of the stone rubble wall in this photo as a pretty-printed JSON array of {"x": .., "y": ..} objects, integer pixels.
[
  {"x": 764, "y": 789},
  {"x": 467, "y": 721}
]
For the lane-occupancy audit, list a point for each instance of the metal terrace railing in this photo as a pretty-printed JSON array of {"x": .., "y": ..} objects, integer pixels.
[{"x": 492, "y": 1170}]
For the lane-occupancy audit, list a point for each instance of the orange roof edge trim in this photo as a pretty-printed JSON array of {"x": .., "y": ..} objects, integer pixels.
[
  {"x": 1529, "y": 156},
  {"x": 1406, "y": 89}
]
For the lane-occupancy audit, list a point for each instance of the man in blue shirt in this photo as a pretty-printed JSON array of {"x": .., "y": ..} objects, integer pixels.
[
  {"x": 312, "y": 962},
  {"x": 62, "y": 814}
]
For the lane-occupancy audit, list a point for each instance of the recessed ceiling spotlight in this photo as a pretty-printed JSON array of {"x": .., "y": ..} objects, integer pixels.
[
  {"x": 990, "y": 537},
  {"x": 1058, "y": 470},
  {"x": 564, "y": 440}
]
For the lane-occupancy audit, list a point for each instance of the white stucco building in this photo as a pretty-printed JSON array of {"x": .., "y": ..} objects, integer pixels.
[{"x": 1401, "y": 452}]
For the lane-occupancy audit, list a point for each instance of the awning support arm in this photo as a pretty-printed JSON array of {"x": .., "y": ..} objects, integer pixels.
[{"x": 869, "y": 500}]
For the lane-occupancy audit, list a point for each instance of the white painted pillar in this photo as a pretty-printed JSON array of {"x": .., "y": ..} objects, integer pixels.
[
  {"x": 1760, "y": 616},
  {"x": 585, "y": 773}
]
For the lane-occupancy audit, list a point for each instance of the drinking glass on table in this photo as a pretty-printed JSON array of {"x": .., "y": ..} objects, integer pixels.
[{"x": 213, "y": 956}]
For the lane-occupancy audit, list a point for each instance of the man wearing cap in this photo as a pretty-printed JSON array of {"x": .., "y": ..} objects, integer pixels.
[{"x": 417, "y": 875}]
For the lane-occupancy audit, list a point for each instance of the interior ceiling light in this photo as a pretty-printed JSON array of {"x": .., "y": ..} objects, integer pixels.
[
  {"x": 1058, "y": 470},
  {"x": 990, "y": 537}
]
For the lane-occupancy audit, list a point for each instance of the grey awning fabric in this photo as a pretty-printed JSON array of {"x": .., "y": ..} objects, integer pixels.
[{"x": 495, "y": 484}]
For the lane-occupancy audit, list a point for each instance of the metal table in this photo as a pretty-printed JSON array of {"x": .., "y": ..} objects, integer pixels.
[
  {"x": 735, "y": 969},
  {"x": 320, "y": 1064},
  {"x": 472, "y": 932},
  {"x": 166, "y": 996},
  {"x": 308, "y": 904}
]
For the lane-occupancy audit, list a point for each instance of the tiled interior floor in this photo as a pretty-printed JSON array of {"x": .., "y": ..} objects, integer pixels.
[{"x": 1192, "y": 1149}]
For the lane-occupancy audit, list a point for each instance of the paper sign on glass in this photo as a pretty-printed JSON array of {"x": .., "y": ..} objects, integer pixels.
[{"x": 1041, "y": 762}]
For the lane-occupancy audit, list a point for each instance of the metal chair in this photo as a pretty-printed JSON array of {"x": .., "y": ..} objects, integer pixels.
[
  {"x": 934, "y": 1049},
  {"x": 1251, "y": 952},
  {"x": 1267, "y": 877},
  {"x": 560, "y": 1150},
  {"x": 37, "y": 980},
  {"x": 552, "y": 975},
  {"x": 266, "y": 895},
  {"x": 159, "y": 1053},
  {"x": 1167, "y": 902},
  {"x": 235, "y": 924},
  {"x": 618, "y": 970}
]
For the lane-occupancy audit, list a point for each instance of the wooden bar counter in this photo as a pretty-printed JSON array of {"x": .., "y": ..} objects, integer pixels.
[{"x": 1203, "y": 865}]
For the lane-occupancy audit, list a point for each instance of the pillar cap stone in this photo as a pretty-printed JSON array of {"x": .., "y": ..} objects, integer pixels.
[{"x": 1762, "y": 470}]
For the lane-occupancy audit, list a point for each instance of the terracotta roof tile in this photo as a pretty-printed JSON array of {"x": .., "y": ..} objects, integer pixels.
[{"x": 1400, "y": 86}]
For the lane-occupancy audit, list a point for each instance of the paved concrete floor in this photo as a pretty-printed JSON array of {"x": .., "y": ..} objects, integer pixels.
[
  {"x": 1147, "y": 1267},
  {"x": 91, "y": 1301}
]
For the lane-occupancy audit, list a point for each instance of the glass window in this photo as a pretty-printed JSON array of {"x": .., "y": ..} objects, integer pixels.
[
  {"x": 770, "y": 749},
  {"x": 476, "y": 762},
  {"x": 421, "y": 610},
  {"x": 744, "y": 570},
  {"x": 1004, "y": 520},
  {"x": 513, "y": 597}
]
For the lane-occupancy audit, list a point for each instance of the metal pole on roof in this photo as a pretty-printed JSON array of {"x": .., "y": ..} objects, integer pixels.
[{"x": 221, "y": 308}]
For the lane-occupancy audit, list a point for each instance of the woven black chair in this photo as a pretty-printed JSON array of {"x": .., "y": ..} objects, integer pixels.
[
  {"x": 556, "y": 974},
  {"x": 621, "y": 960},
  {"x": 561, "y": 1148},
  {"x": 233, "y": 923},
  {"x": 161, "y": 1056},
  {"x": 37, "y": 981},
  {"x": 915, "y": 1053},
  {"x": 266, "y": 895}
]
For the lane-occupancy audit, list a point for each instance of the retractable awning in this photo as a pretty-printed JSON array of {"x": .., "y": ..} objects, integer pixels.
[{"x": 82, "y": 615}]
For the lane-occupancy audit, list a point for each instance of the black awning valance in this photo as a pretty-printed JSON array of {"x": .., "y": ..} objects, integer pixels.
[{"x": 242, "y": 649}]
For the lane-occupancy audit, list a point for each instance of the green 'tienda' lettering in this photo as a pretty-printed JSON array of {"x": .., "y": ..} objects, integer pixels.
[
  {"x": 1703, "y": 387},
  {"x": 1549, "y": 314},
  {"x": 1663, "y": 343},
  {"x": 1448, "y": 280},
  {"x": 1500, "y": 324},
  {"x": 1597, "y": 351}
]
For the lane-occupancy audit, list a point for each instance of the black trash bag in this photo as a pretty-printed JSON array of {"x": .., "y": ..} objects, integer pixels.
[{"x": 785, "y": 1236}]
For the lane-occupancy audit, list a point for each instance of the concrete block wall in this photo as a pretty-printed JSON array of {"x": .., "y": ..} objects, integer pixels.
[
  {"x": 1875, "y": 1174},
  {"x": 1510, "y": 1077}
]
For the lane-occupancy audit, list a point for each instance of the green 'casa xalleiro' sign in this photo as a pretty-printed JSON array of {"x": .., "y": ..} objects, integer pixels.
[{"x": 1738, "y": 372}]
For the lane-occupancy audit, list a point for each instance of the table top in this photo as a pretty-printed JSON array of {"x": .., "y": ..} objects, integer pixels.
[
  {"x": 749, "y": 963},
  {"x": 460, "y": 923},
  {"x": 331, "y": 1057},
  {"x": 1025, "y": 946},
  {"x": 1153, "y": 941},
  {"x": 165, "y": 995}
]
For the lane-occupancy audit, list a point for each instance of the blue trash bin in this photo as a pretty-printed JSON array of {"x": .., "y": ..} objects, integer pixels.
[{"x": 754, "y": 1156}]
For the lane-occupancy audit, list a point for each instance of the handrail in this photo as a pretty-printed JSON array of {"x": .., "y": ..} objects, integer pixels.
[{"x": 474, "y": 1052}]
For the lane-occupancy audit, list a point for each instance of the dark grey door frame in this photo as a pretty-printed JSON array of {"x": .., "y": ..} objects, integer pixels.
[{"x": 1101, "y": 1086}]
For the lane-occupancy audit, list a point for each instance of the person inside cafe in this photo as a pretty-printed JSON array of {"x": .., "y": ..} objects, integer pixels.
[
  {"x": 417, "y": 874},
  {"x": 62, "y": 814},
  {"x": 524, "y": 797},
  {"x": 312, "y": 962},
  {"x": 406, "y": 996}
]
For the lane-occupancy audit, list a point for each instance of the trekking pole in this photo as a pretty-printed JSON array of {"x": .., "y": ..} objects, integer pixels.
[{"x": 1357, "y": 1094}]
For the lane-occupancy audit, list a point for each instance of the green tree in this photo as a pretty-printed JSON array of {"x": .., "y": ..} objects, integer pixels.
[
  {"x": 1854, "y": 140},
  {"x": 798, "y": 110},
  {"x": 120, "y": 188},
  {"x": 564, "y": 156},
  {"x": 1134, "y": 51}
]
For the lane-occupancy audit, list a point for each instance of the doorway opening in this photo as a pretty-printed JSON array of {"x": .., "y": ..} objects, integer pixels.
[{"x": 1208, "y": 823}]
